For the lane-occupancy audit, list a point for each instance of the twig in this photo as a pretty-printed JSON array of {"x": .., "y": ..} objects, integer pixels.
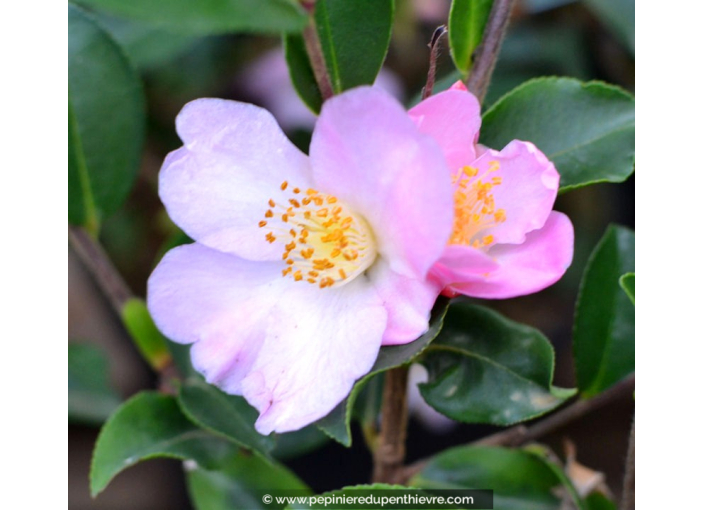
[
  {"x": 434, "y": 46},
  {"x": 100, "y": 267},
  {"x": 315, "y": 53},
  {"x": 520, "y": 434},
  {"x": 114, "y": 288},
  {"x": 628, "y": 499},
  {"x": 484, "y": 58},
  {"x": 391, "y": 442}
]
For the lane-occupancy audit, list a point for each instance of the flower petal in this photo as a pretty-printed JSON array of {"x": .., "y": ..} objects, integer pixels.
[
  {"x": 529, "y": 267},
  {"x": 453, "y": 119},
  {"x": 219, "y": 301},
  {"x": 318, "y": 343},
  {"x": 366, "y": 151},
  {"x": 217, "y": 186},
  {"x": 527, "y": 192},
  {"x": 460, "y": 263},
  {"x": 292, "y": 349},
  {"x": 408, "y": 302}
]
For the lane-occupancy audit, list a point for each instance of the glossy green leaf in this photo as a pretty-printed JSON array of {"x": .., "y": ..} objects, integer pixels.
[
  {"x": 294, "y": 444},
  {"x": 148, "y": 339},
  {"x": 466, "y": 28},
  {"x": 146, "y": 46},
  {"x": 519, "y": 479},
  {"x": 597, "y": 501},
  {"x": 628, "y": 284},
  {"x": 586, "y": 129},
  {"x": 484, "y": 368},
  {"x": 619, "y": 16},
  {"x": 240, "y": 484},
  {"x": 542, "y": 453},
  {"x": 227, "y": 415},
  {"x": 147, "y": 426},
  {"x": 301, "y": 72},
  {"x": 105, "y": 122},
  {"x": 604, "y": 324},
  {"x": 354, "y": 38},
  {"x": 205, "y": 17},
  {"x": 337, "y": 423},
  {"x": 91, "y": 399}
]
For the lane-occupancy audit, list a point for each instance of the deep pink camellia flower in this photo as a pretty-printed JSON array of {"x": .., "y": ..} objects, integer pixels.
[
  {"x": 506, "y": 239},
  {"x": 303, "y": 266}
]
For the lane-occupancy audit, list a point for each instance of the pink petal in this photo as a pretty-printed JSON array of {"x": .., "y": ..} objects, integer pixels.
[
  {"x": 318, "y": 343},
  {"x": 217, "y": 186},
  {"x": 408, "y": 302},
  {"x": 367, "y": 152},
  {"x": 452, "y": 118},
  {"x": 291, "y": 349},
  {"x": 219, "y": 301},
  {"x": 528, "y": 190},
  {"x": 529, "y": 267},
  {"x": 461, "y": 263}
]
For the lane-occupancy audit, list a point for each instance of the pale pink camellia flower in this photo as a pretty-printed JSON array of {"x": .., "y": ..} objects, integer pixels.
[
  {"x": 506, "y": 239},
  {"x": 303, "y": 267}
]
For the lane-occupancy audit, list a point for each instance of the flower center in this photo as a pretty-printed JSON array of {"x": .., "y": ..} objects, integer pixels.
[
  {"x": 475, "y": 210},
  {"x": 325, "y": 243}
]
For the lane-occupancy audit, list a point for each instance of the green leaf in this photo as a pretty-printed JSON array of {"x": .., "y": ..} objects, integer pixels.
[
  {"x": 227, "y": 415},
  {"x": 206, "y": 17},
  {"x": 105, "y": 122},
  {"x": 544, "y": 455},
  {"x": 147, "y": 426},
  {"x": 337, "y": 423},
  {"x": 628, "y": 284},
  {"x": 466, "y": 28},
  {"x": 604, "y": 324},
  {"x": 240, "y": 484},
  {"x": 294, "y": 444},
  {"x": 597, "y": 501},
  {"x": 586, "y": 129},
  {"x": 151, "y": 343},
  {"x": 354, "y": 38},
  {"x": 619, "y": 16},
  {"x": 91, "y": 399},
  {"x": 146, "y": 46},
  {"x": 484, "y": 368},
  {"x": 301, "y": 72},
  {"x": 520, "y": 480}
]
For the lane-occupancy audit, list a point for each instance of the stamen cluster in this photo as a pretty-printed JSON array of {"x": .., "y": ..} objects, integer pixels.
[{"x": 324, "y": 243}]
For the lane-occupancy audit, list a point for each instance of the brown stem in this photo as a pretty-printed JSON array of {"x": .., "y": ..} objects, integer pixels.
[
  {"x": 520, "y": 434},
  {"x": 100, "y": 267},
  {"x": 113, "y": 287},
  {"x": 484, "y": 58},
  {"x": 434, "y": 46},
  {"x": 391, "y": 442},
  {"x": 315, "y": 54},
  {"x": 628, "y": 500}
]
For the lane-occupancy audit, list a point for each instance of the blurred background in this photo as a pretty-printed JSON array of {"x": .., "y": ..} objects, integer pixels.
[{"x": 588, "y": 39}]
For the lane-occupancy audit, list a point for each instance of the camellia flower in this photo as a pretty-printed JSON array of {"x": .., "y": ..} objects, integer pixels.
[
  {"x": 302, "y": 266},
  {"x": 506, "y": 239}
]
